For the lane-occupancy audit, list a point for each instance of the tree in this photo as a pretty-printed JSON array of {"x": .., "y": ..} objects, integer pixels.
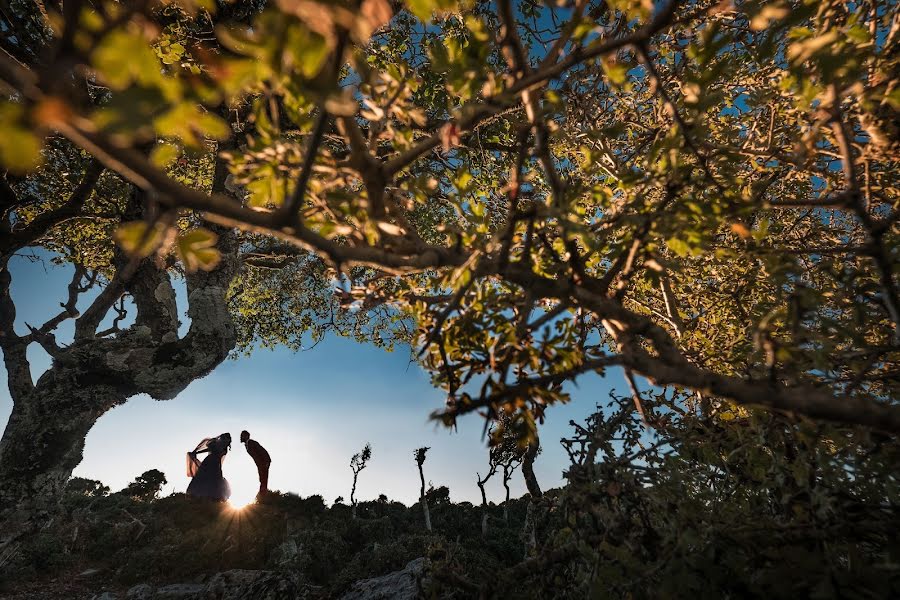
[
  {"x": 508, "y": 450},
  {"x": 437, "y": 495},
  {"x": 481, "y": 481},
  {"x": 712, "y": 482},
  {"x": 534, "y": 492},
  {"x": 358, "y": 462},
  {"x": 700, "y": 194},
  {"x": 146, "y": 486},
  {"x": 100, "y": 369},
  {"x": 419, "y": 455},
  {"x": 121, "y": 301},
  {"x": 505, "y": 453},
  {"x": 613, "y": 228},
  {"x": 87, "y": 487}
]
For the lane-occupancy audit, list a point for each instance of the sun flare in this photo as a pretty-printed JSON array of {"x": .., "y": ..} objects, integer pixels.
[
  {"x": 241, "y": 499},
  {"x": 239, "y": 505}
]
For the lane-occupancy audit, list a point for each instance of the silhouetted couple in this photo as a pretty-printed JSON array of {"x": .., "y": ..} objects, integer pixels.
[{"x": 207, "y": 480}]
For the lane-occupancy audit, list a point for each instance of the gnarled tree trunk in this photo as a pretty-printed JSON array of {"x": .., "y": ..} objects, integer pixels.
[
  {"x": 529, "y": 533},
  {"x": 44, "y": 438},
  {"x": 531, "y": 481}
]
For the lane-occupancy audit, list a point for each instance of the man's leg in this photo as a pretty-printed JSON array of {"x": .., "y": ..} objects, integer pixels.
[{"x": 264, "y": 478}]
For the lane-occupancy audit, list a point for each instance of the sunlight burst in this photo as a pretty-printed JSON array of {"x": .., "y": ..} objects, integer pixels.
[
  {"x": 238, "y": 504},
  {"x": 242, "y": 498}
]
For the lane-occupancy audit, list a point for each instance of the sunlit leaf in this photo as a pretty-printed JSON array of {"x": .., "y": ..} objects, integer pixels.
[
  {"x": 196, "y": 249},
  {"x": 139, "y": 238}
]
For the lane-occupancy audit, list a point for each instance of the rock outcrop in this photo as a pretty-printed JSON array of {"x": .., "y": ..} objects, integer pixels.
[
  {"x": 399, "y": 585},
  {"x": 240, "y": 584},
  {"x": 237, "y": 584}
]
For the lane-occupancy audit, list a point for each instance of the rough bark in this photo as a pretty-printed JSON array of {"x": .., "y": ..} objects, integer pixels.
[
  {"x": 531, "y": 481},
  {"x": 534, "y": 490},
  {"x": 424, "y": 500},
  {"x": 507, "y": 473},
  {"x": 44, "y": 438},
  {"x": 529, "y": 536}
]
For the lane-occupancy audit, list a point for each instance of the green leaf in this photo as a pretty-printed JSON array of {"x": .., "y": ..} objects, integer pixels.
[
  {"x": 679, "y": 247},
  {"x": 421, "y": 8},
  {"x": 164, "y": 154},
  {"x": 307, "y": 50},
  {"x": 615, "y": 71},
  {"x": 196, "y": 249},
  {"x": 187, "y": 120},
  {"x": 20, "y": 148},
  {"x": 425, "y": 8},
  {"x": 123, "y": 58},
  {"x": 138, "y": 238}
]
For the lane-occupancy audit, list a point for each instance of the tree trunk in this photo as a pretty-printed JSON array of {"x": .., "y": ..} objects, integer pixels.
[
  {"x": 484, "y": 515},
  {"x": 44, "y": 439},
  {"x": 531, "y": 481},
  {"x": 427, "y": 514},
  {"x": 506, "y": 477},
  {"x": 353, "y": 496},
  {"x": 534, "y": 490},
  {"x": 528, "y": 532},
  {"x": 423, "y": 500}
]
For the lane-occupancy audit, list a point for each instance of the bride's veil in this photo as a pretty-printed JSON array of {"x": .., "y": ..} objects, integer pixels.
[{"x": 193, "y": 464}]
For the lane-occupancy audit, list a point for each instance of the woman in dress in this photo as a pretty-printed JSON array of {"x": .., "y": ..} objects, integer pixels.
[{"x": 208, "y": 481}]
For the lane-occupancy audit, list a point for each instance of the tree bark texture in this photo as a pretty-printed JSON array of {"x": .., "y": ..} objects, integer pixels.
[{"x": 44, "y": 437}]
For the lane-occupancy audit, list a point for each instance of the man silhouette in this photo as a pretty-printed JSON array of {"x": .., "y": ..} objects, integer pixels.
[{"x": 261, "y": 458}]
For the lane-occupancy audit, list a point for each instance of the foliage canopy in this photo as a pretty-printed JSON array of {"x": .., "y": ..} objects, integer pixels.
[{"x": 702, "y": 193}]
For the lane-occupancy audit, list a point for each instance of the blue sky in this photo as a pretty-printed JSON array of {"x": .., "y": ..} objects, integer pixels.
[{"x": 312, "y": 410}]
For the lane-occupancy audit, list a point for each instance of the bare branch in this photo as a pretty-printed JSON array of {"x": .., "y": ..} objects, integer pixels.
[
  {"x": 86, "y": 325},
  {"x": 69, "y": 307}
]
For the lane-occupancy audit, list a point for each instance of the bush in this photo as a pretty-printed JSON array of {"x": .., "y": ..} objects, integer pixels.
[{"x": 146, "y": 486}]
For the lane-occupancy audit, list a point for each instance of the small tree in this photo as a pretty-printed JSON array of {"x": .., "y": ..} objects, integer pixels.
[
  {"x": 358, "y": 462},
  {"x": 87, "y": 487},
  {"x": 495, "y": 461},
  {"x": 531, "y": 482},
  {"x": 420, "y": 460},
  {"x": 534, "y": 492},
  {"x": 146, "y": 486},
  {"x": 507, "y": 452},
  {"x": 437, "y": 495}
]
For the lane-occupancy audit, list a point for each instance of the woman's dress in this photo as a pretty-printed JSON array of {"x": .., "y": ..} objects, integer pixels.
[{"x": 208, "y": 481}]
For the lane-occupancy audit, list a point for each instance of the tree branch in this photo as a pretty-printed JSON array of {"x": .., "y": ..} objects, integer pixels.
[
  {"x": 15, "y": 357},
  {"x": 43, "y": 223}
]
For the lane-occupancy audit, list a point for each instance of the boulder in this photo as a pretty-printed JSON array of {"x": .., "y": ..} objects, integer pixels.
[
  {"x": 89, "y": 573},
  {"x": 237, "y": 584},
  {"x": 240, "y": 584},
  {"x": 286, "y": 553},
  {"x": 180, "y": 591},
  {"x": 140, "y": 592},
  {"x": 399, "y": 585}
]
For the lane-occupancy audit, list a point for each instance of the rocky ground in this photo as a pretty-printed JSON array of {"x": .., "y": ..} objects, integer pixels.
[{"x": 113, "y": 547}]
